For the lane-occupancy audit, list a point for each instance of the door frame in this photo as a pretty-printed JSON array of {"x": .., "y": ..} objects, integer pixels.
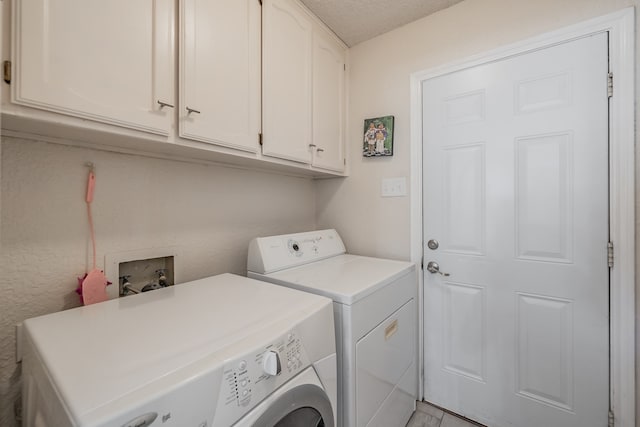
[{"x": 621, "y": 28}]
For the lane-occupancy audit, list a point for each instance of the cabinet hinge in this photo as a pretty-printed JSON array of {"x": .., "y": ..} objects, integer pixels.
[
  {"x": 260, "y": 138},
  {"x": 612, "y": 419},
  {"x": 610, "y": 85},
  {"x": 6, "y": 71},
  {"x": 610, "y": 254},
  {"x": 345, "y": 66}
]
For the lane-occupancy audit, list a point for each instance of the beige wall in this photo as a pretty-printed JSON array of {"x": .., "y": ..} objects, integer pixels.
[
  {"x": 379, "y": 85},
  {"x": 209, "y": 212}
]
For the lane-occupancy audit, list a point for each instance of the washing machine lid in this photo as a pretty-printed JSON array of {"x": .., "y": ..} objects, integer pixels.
[
  {"x": 101, "y": 352},
  {"x": 344, "y": 278}
]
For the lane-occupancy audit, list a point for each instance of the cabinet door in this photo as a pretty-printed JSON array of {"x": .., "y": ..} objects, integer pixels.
[
  {"x": 286, "y": 99},
  {"x": 328, "y": 102},
  {"x": 109, "y": 61},
  {"x": 220, "y": 72}
]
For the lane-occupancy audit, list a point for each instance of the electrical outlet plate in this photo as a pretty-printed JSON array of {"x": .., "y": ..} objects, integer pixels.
[{"x": 394, "y": 187}]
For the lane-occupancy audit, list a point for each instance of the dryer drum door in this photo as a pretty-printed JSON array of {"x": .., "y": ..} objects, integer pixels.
[{"x": 306, "y": 405}]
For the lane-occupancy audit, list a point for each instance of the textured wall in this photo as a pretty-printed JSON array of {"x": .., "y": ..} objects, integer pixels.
[{"x": 209, "y": 212}]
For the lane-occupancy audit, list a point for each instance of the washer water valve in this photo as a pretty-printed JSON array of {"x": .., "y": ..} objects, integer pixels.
[
  {"x": 162, "y": 281},
  {"x": 127, "y": 287},
  {"x": 145, "y": 275},
  {"x": 162, "y": 278}
]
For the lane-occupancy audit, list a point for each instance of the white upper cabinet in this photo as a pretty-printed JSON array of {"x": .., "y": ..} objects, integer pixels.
[
  {"x": 328, "y": 102},
  {"x": 110, "y": 61},
  {"x": 287, "y": 51},
  {"x": 182, "y": 77},
  {"x": 220, "y": 72},
  {"x": 303, "y": 88}
]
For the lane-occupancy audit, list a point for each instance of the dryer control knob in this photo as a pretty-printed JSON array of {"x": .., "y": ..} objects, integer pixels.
[{"x": 271, "y": 363}]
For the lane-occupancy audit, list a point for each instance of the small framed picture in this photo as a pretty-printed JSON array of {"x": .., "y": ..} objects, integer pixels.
[{"x": 378, "y": 137}]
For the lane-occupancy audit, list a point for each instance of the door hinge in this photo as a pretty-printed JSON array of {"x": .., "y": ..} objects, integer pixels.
[
  {"x": 6, "y": 71},
  {"x": 260, "y": 138},
  {"x": 612, "y": 419},
  {"x": 610, "y": 85},
  {"x": 345, "y": 66},
  {"x": 610, "y": 254}
]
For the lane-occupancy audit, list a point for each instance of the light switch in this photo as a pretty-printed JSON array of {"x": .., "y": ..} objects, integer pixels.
[{"x": 394, "y": 187}]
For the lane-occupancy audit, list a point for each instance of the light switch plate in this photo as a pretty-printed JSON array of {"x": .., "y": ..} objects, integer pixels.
[{"x": 394, "y": 187}]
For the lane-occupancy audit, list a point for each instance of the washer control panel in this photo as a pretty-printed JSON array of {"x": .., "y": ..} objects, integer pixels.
[
  {"x": 269, "y": 254},
  {"x": 249, "y": 379}
]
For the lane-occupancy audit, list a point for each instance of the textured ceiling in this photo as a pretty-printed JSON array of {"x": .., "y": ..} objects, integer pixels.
[{"x": 355, "y": 21}]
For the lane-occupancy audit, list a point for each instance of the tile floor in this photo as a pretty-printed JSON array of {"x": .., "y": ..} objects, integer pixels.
[{"x": 427, "y": 415}]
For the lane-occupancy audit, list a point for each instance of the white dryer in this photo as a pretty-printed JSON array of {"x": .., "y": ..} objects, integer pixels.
[
  {"x": 375, "y": 317},
  {"x": 215, "y": 352}
]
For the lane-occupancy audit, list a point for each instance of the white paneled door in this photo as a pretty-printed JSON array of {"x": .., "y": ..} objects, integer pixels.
[{"x": 516, "y": 218}]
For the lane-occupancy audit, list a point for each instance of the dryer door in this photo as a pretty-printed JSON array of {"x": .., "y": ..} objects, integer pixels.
[
  {"x": 302, "y": 402},
  {"x": 383, "y": 358}
]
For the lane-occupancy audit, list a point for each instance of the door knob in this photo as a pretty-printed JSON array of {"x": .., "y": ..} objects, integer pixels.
[{"x": 434, "y": 267}]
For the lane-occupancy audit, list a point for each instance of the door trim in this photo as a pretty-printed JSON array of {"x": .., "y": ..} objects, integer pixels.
[{"x": 621, "y": 28}]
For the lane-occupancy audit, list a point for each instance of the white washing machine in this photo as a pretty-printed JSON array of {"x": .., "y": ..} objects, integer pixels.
[
  {"x": 217, "y": 352},
  {"x": 375, "y": 317}
]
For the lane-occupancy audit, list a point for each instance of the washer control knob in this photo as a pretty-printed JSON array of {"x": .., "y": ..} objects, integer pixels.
[
  {"x": 243, "y": 365},
  {"x": 271, "y": 363}
]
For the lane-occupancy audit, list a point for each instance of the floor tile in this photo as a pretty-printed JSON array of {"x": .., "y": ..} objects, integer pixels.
[
  {"x": 418, "y": 419},
  {"x": 432, "y": 421},
  {"x": 421, "y": 419},
  {"x": 451, "y": 421},
  {"x": 430, "y": 409}
]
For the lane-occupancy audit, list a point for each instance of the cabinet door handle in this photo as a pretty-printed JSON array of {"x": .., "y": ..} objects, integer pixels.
[
  {"x": 320, "y": 150},
  {"x": 164, "y": 104},
  {"x": 191, "y": 110},
  {"x": 312, "y": 145}
]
